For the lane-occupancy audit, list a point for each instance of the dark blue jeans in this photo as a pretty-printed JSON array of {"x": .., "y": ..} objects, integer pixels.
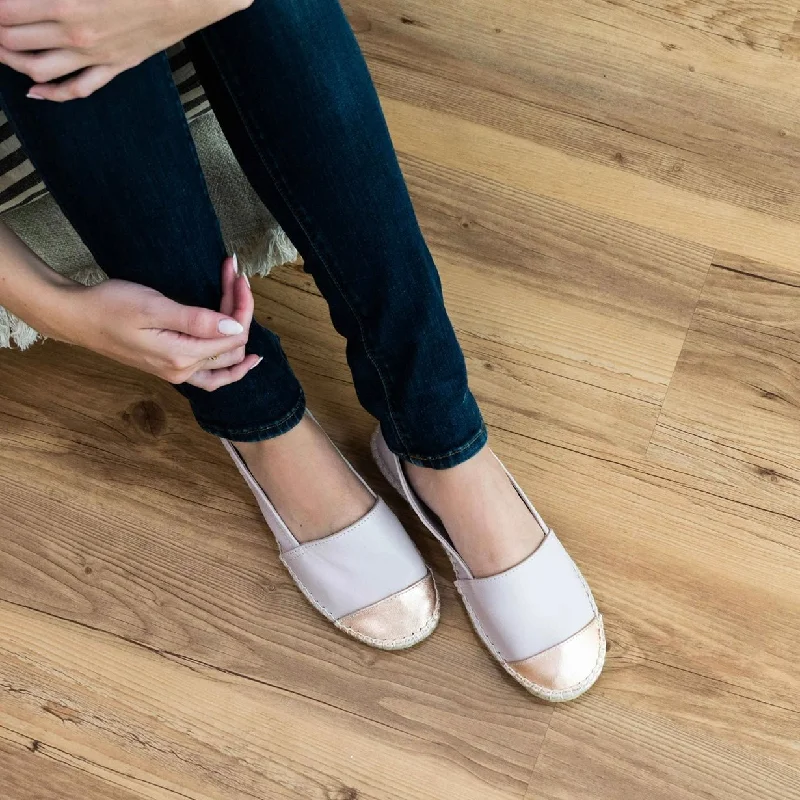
[{"x": 290, "y": 88}]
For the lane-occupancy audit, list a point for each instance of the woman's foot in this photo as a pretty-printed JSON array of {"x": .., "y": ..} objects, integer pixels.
[
  {"x": 490, "y": 526},
  {"x": 308, "y": 482},
  {"x": 539, "y": 619},
  {"x": 342, "y": 545}
]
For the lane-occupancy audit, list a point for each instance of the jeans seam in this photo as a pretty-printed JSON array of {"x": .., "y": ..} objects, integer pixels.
[
  {"x": 281, "y": 186},
  {"x": 258, "y": 428},
  {"x": 453, "y": 452}
]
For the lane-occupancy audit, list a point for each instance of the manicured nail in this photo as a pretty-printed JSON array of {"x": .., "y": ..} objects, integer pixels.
[
  {"x": 260, "y": 359},
  {"x": 230, "y": 327},
  {"x": 34, "y": 96},
  {"x": 240, "y": 272}
]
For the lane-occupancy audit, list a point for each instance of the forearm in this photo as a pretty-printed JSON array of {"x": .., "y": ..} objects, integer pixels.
[{"x": 29, "y": 288}]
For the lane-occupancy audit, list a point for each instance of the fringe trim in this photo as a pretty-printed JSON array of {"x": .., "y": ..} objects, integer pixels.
[{"x": 258, "y": 254}]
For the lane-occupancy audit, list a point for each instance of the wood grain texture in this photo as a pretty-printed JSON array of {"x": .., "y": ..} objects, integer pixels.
[
  {"x": 164, "y": 725},
  {"x": 730, "y": 418},
  {"x": 184, "y": 565},
  {"x": 603, "y": 83},
  {"x": 29, "y": 770},
  {"x": 618, "y": 755},
  {"x": 610, "y": 192}
]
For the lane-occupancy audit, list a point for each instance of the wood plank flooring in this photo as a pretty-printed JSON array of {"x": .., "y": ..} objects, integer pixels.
[{"x": 610, "y": 190}]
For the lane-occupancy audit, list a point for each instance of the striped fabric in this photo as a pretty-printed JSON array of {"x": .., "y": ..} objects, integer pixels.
[{"x": 19, "y": 181}]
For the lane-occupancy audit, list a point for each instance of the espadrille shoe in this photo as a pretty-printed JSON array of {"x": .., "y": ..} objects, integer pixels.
[
  {"x": 369, "y": 579},
  {"x": 538, "y": 619}
]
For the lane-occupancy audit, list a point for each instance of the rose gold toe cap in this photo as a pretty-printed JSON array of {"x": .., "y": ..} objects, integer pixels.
[
  {"x": 572, "y": 665},
  {"x": 398, "y": 621}
]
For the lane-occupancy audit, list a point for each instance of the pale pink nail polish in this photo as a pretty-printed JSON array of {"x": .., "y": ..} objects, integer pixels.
[
  {"x": 34, "y": 96},
  {"x": 260, "y": 359},
  {"x": 235, "y": 264},
  {"x": 230, "y": 327}
]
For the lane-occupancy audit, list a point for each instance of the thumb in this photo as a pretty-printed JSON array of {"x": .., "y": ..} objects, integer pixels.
[{"x": 202, "y": 323}]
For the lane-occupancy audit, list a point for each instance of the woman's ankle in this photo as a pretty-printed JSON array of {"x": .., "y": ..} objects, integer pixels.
[{"x": 306, "y": 479}]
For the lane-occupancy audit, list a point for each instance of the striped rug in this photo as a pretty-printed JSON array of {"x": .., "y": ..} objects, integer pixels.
[{"x": 19, "y": 181}]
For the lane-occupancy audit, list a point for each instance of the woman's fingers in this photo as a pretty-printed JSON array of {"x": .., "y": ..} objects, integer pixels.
[
  {"x": 241, "y": 298},
  {"x": 228, "y": 281},
  {"x": 223, "y": 360},
  {"x": 189, "y": 351},
  {"x": 237, "y": 301},
  {"x": 19, "y": 12},
  {"x": 202, "y": 347},
  {"x": 36, "y": 36},
  {"x": 44, "y": 67},
  {"x": 194, "y": 321},
  {"x": 233, "y": 318},
  {"x": 243, "y": 302},
  {"x": 230, "y": 275},
  {"x": 86, "y": 83},
  {"x": 210, "y": 380}
]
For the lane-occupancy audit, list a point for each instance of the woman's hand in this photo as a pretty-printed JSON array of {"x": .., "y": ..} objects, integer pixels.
[
  {"x": 140, "y": 327},
  {"x": 132, "y": 323},
  {"x": 49, "y": 39}
]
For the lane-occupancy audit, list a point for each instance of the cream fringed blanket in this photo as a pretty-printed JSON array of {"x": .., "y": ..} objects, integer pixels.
[{"x": 248, "y": 228}]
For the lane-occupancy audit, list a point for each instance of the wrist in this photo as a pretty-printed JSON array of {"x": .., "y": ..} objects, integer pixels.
[
  {"x": 34, "y": 292},
  {"x": 59, "y": 308}
]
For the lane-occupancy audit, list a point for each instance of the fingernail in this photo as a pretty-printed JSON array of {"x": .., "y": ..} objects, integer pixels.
[
  {"x": 230, "y": 327},
  {"x": 34, "y": 96},
  {"x": 260, "y": 359},
  {"x": 240, "y": 272}
]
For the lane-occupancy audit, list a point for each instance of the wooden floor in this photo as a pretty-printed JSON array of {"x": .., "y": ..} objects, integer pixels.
[{"x": 610, "y": 188}]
